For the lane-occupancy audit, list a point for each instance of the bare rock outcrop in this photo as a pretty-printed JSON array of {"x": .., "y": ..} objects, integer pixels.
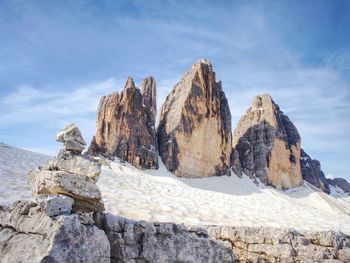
[
  {"x": 141, "y": 241},
  {"x": 194, "y": 132},
  {"x": 125, "y": 125},
  {"x": 265, "y": 244},
  {"x": 29, "y": 235},
  {"x": 312, "y": 173},
  {"x": 268, "y": 144}
]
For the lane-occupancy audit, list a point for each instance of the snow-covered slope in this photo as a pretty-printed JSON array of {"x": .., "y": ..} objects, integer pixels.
[
  {"x": 161, "y": 196},
  {"x": 14, "y": 166}
]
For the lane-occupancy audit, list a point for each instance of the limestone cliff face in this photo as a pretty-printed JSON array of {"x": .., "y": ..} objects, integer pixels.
[
  {"x": 194, "y": 132},
  {"x": 312, "y": 173},
  {"x": 125, "y": 125},
  {"x": 268, "y": 144},
  {"x": 149, "y": 95}
]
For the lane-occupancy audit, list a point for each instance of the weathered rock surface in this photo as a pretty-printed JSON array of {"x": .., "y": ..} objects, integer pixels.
[
  {"x": 312, "y": 173},
  {"x": 341, "y": 183},
  {"x": 87, "y": 197},
  {"x": 54, "y": 205},
  {"x": 149, "y": 95},
  {"x": 28, "y": 235},
  {"x": 263, "y": 244},
  {"x": 75, "y": 164},
  {"x": 194, "y": 132},
  {"x": 72, "y": 138},
  {"x": 268, "y": 144},
  {"x": 139, "y": 241},
  {"x": 125, "y": 126}
]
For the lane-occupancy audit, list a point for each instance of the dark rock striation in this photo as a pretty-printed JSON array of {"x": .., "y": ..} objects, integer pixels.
[
  {"x": 312, "y": 173},
  {"x": 125, "y": 125},
  {"x": 268, "y": 144},
  {"x": 194, "y": 131}
]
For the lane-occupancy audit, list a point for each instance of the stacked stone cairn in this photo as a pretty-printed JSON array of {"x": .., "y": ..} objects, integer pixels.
[{"x": 68, "y": 183}]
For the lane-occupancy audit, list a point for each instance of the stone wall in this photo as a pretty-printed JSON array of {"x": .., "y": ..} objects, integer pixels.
[{"x": 264, "y": 244}]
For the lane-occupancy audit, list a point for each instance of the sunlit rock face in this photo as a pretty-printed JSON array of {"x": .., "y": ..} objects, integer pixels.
[
  {"x": 194, "y": 132},
  {"x": 125, "y": 125},
  {"x": 268, "y": 144}
]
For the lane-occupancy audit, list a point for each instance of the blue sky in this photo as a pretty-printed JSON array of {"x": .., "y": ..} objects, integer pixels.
[{"x": 58, "y": 57}]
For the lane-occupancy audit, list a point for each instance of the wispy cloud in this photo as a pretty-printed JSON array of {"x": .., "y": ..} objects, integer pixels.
[{"x": 255, "y": 47}]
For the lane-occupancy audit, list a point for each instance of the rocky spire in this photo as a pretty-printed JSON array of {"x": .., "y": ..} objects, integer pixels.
[
  {"x": 268, "y": 144},
  {"x": 194, "y": 132},
  {"x": 125, "y": 126}
]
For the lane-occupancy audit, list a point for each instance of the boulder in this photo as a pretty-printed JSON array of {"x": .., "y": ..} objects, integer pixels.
[
  {"x": 268, "y": 144},
  {"x": 73, "y": 163},
  {"x": 29, "y": 235},
  {"x": 125, "y": 126},
  {"x": 87, "y": 197},
  {"x": 194, "y": 132},
  {"x": 312, "y": 173},
  {"x": 72, "y": 138},
  {"x": 54, "y": 205}
]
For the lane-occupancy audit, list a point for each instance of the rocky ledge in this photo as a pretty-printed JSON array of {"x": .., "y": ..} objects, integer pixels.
[
  {"x": 265, "y": 244},
  {"x": 29, "y": 234}
]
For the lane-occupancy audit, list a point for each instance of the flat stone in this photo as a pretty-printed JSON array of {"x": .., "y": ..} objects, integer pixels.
[
  {"x": 72, "y": 138},
  {"x": 54, "y": 205},
  {"x": 87, "y": 197},
  {"x": 76, "y": 164}
]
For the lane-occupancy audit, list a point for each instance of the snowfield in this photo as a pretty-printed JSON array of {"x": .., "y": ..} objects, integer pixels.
[
  {"x": 14, "y": 166},
  {"x": 158, "y": 195}
]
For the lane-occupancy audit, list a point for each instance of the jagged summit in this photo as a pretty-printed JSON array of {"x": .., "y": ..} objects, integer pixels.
[
  {"x": 194, "y": 132},
  {"x": 268, "y": 144},
  {"x": 125, "y": 125}
]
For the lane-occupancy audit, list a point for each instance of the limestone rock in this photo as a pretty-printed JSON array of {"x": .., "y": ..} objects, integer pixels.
[
  {"x": 28, "y": 235},
  {"x": 70, "y": 162},
  {"x": 72, "y": 138},
  {"x": 125, "y": 126},
  {"x": 194, "y": 132},
  {"x": 54, "y": 205},
  {"x": 267, "y": 244},
  {"x": 268, "y": 144},
  {"x": 140, "y": 241},
  {"x": 149, "y": 95},
  {"x": 341, "y": 183},
  {"x": 87, "y": 197},
  {"x": 312, "y": 173}
]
